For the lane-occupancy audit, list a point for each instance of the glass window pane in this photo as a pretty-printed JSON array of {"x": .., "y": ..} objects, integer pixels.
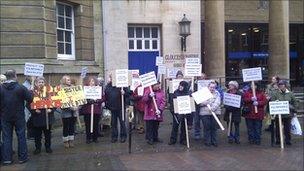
[
  {"x": 60, "y": 9},
  {"x": 154, "y": 44},
  {"x": 68, "y": 11},
  {"x": 68, "y": 36},
  {"x": 139, "y": 44},
  {"x": 68, "y": 23},
  {"x": 131, "y": 32},
  {"x": 60, "y": 22},
  {"x": 131, "y": 44},
  {"x": 154, "y": 32},
  {"x": 60, "y": 35},
  {"x": 68, "y": 49},
  {"x": 146, "y": 32},
  {"x": 60, "y": 48},
  {"x": 147, "y": 44},
  {"x": 138, "y": 32}
]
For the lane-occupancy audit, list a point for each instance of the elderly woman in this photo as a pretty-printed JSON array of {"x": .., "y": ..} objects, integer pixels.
[
  {"x": 210, "y": 124},
  {"x": 271, "y": 89}
]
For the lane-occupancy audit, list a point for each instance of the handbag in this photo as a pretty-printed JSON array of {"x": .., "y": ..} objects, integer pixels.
[{"x": 295, "y": 127}]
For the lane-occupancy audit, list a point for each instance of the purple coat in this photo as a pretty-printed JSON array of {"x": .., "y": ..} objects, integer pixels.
[
  {"x": 86, "y": 109},
  {"x": 150, "y": 111}
]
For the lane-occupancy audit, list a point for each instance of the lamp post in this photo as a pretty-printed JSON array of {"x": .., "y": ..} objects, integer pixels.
[{"x": 184, "y": 31}]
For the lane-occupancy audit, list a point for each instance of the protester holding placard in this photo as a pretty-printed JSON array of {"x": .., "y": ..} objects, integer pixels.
[
  {"x": 254, "y": 120},
  {"x": 152, "y": 115},
  {"x": 85, "y": 110},
  {"x": 178, "y": 119},
  {"x": 38, "y": 116},
  {"x": 68, "y": 116},
  {"x": 139, "y": 105},
  {"x": 235, "y": 113},
  {"x": 284, "y": 95},
  {"x": 210, "y": 124}
]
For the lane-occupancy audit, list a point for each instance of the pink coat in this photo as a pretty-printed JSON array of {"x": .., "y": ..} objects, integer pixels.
[{"x": 150, "y": 111}]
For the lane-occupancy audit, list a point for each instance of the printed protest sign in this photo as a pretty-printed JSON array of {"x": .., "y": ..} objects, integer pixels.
[
  {"x": 46, "y": 99},
  {"x": 32, "y": 69},
  {"x": 202, "y": 95},
  {"x": 252, "y": 74},
  {"x": 233, "y": 100},
  {"x": 92, "y": 92},
  {"x": 72, "y": 96},
  {"x": 159, "y": 60},
  {"x": 84, "y": 72},
  {"x": 178, "y": 60},
  {"x": 173, "y": 85},
  {"x": 121, "y": 78},
  {"x": 202, "y": 83},
  {"x": 171, "y": 72},
  {"x": 192, "y": 70},
  {"x": 193, "y": 61},
  {"x": 183, "y": 104},
  {"x": 161, "y": 69},
  {"x": 148, "y": 79},
  {"x": 279, "y": 108}
]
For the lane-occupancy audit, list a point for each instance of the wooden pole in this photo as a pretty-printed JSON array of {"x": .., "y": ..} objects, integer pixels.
[
  {"x": 215, "y": 117},
  {"x": 153, "y": 98},
  {"x": 78, "y": 120},
  {"x": 281, "y": 131},
  {"x": 187, "y": 134},
  {"x": 254, "y": 95},
  {"x": 229, "y": 124},
  {"x": 92, "y": 117},
  {"x": 192, "y": 84},
  {"x": 122, "y": 106}
]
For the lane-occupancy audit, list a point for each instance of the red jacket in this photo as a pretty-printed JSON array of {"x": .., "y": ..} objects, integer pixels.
[
  {"x": 139, "y": 103},
  {"x": 262, "y": 101}
]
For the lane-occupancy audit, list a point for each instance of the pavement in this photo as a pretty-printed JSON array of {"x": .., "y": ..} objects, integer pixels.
[{"x": 161, "y": 156}]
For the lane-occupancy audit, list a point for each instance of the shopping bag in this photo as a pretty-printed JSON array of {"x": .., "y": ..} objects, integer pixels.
[
  {"x": 106, "y": 117},
  {"x": 295, "y": 126}
]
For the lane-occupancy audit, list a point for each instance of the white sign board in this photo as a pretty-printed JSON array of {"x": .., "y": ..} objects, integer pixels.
[
  {"x": 32, "y": 69},
  {"x": 252, "y": 74},
  {"x": 173, "y": 85},
  {"x": 92, "y": 92},
  {"x": 279, "y": 107},
  {"x": 140, "y": 91},
  {"x": 193, "y": 61},
  {"x": 233, "y": 100},
  {"x": 183, "y": 104},
  {"x": 148, "y": 79},
  {"x": 135, "y": 83},
  {"x": 122, "y": 78},
  {"x": 202, "y": 83},
  {"x": 161, "y": 69},
  {"x": 159, "y": 60},
  {"x": 192, "y": 70},
  {"x": 202, "y": 95},
  {"x": 84, "y": 72},
  {"x": 171, "y": 72}
]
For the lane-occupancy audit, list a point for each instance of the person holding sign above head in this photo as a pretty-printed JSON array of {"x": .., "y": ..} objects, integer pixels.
[
  {"x": 209, "y": 123},
  {"x": 284, "y": 95},
  {"x": 85, "y": 110},
  {"x": 152, "y": 115},
  {"x": 38, "y": 116},
  {"x": 233, "y": 114},
  {"x": 178, "y": 119},
  {"x": 253, "y": 119}
]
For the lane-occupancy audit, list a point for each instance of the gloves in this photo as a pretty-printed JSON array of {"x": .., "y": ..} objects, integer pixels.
[
  {"x": 253, "y": 99},
  {"x": 122, "y": 92},
  {"x": 255, "y": 103},
  {"x": 152, "y": 94},
  {"x": 158, "y": 112}
]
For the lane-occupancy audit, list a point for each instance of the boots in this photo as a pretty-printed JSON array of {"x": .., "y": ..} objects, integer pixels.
[
  {"x": 66, "y": 144},
  {"x": 71, "y": 144}
]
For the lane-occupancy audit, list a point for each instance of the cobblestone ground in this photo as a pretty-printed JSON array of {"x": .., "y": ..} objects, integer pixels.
[{"x": 108, "y": 156}]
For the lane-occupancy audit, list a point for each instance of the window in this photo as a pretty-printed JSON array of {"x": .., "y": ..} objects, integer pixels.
[
  {"x": 65, "y": 31},
  {"x": 143, "y": 38}
]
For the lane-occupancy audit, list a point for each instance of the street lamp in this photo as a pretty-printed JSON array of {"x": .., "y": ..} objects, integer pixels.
[{"x": 184, "y": 26}]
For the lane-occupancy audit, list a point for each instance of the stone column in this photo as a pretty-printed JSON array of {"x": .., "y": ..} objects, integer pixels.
[
  {"x": 214, "y": 60},
  {"x": 278, "y": 62}
]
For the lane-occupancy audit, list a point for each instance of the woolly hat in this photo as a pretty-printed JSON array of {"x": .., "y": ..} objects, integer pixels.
[{"x": 234, "y": 83}]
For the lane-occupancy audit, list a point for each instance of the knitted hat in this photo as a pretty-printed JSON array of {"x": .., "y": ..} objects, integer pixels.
[{"x": 234, "y": 83}]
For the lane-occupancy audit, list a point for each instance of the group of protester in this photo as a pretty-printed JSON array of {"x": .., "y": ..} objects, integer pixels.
[{"x": 149, "y": 112}]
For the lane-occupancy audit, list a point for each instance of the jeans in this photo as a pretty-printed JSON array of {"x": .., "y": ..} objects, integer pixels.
[
  {"x": 87, "y": 121},
  {"x": 197, "y": 125},
  {"x": 68, "y": 128},
  {"x": 181, "y": 122},
  {"x": 210, "y": 127},
  {"x": 7, "y": 136},
  {"x": 152, "y": 130},
  {"x": 236, "y": 135},
  {"x": 254, "y": 130},
  {"x": 116, "y": 114},
  {"x": 38, "y": 135},
  {"x": 286, "y": 123}
]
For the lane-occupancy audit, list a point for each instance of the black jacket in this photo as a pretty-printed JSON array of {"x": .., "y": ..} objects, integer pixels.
[
  {"x": 113, "y": 97},
  {"x": 39, "y": 119},
  {"x": 13, "y": 95}
]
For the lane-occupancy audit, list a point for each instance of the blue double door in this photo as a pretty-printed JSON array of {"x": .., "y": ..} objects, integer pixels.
[{"x": 144, "y": 61}]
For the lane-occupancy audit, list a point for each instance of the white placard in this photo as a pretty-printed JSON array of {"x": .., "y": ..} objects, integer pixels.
[
  {"x": 140, "y": 91},
  {"x": 148, "y": 79},
  {"x": 135, "y": 83},
  {"x": 193, "y": 61},
  {"x": 161, "y": 69},
  {"x": 171, "y": 72},
  {"x": 252, "y": 74},
  {"x": 192, "y": 70},
  {"x": 122, "y": 78},
  {"x": 202, "y": 95},
  {"x": 183, "y": 104},
  {"x": 279, "y": 107},
  {"x": 32, "y": 69},
  {"x": 92, "y": 92},
  {"x": 173, "y": 85},
  {"x": 84, "y": 72},
  {"x": 159, "y": 60},
  {"x": 233, "y": 100},
  {"x": 202, "y": 83}
]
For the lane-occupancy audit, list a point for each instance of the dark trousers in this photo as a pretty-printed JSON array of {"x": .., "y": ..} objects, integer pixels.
[
  {"x": 286, "y": 123},
  {"x": 152, "y": 130},
  {"x": 236, "y": 134},
  {"x": 116, "y": 114},
  {"x": 87, "y": 121},
  {"x": 210, "y": 127},
  {"x": 7, "y": 137},
  {"x": 178, "y": 120},
  {"x": 254, "y": 130},
  {"x": 38, "y": 135},
  {"x": 0, "y": 142},
  {"x": 197, "y": 125},
  {"x": 68, "y": 127}
]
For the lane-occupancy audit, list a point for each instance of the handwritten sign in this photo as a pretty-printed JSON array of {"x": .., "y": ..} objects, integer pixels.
[
  {"x": 252, "y": 74},
  {"x": 92, "y": 92},
  {"x": 159, "y": 60},
  {"x": 192, "y": 70},
  {"x": 279, "y": 107},
  {"x": 46, "y": 99},
  {"x": 122, "y": 78},
  {"x": 32, "y": 69},
  {"x": 72, "y": 96},
  {"x": 148, "y": 79},
  {"x": 202, "y": 83},
  {"x": 202, "y": 95},
  {"x": 233, "y": 100},
  {"x": 84, "y": 72},
  {"x": 161, "y": 69},
  {"x": 193, "y": 61}
]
